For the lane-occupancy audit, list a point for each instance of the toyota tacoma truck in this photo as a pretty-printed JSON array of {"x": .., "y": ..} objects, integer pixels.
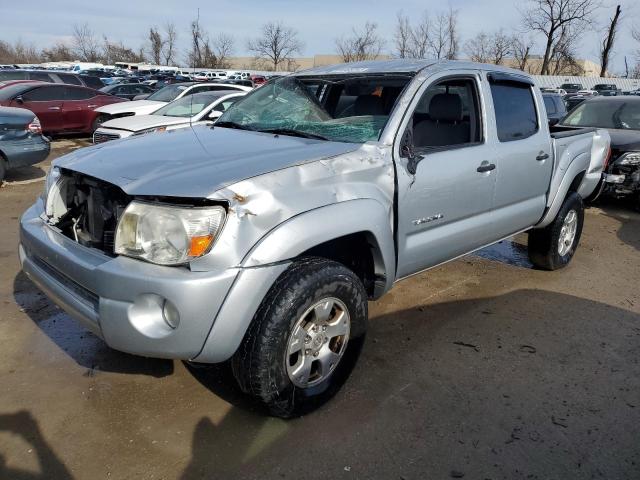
[{"x": 260, "y": 240}]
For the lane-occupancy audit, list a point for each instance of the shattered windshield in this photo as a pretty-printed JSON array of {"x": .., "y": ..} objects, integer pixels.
[{"x": 341, "y": 109}]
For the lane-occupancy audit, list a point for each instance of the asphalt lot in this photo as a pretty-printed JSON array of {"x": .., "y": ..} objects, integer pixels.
[{"x": 482, "y": 368}]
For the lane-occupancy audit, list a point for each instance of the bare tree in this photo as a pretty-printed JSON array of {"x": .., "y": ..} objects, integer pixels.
[
  {"x": 402, "y": 36},
  {"x": 156, "y": 45},
  {"x": 117, "y": 52},
  {"x": 607, "y": 43},
  {"x": 85, "y": 44},
  {"x": 478, "y": 48},
  {"x": 553, "y": 18},
  {"x": 276, "y": 45},
  {"x": 169, "y": 47},
  {"x": 444, "y": 40},
  {"x": 563, "y": 56},
  {"x": 363, "y": 44},
  {"x": 223, "y": 46},
  {"x": 59, "y": 52},
  {"x": 19, "y": 52},
  {"x": 194, "y": 56},
  {"x": 521, "y": 51}
]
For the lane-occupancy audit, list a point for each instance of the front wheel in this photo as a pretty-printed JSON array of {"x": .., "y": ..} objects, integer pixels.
[
  {"x": 305, "y": 338},
  {"x": 552, "y": 247}
]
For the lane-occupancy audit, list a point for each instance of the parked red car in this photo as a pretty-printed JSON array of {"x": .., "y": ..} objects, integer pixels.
[
  {"x": 258, "y": 80},
  {"x": 60, "y": 108}
]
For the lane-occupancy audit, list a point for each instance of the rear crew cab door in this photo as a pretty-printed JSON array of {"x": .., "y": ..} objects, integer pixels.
[
  {"x": 520, "y": 132},
  {"x": 444, "y": 208},
  {"x": 46, "y": 102}
]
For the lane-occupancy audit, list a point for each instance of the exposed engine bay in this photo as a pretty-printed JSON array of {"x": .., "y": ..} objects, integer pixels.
[{"x": 86, "y": 209}]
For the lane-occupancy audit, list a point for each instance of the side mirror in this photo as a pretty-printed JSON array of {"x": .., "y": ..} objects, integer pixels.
[
  {"x": 215, "y": 114},
  {"x": 553, "y": 121},
  {"x": 407, "y": 151},
  {"x": 19, "y": 100}
]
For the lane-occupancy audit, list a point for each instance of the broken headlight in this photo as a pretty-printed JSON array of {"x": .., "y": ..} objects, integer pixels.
[
  {"x": 629, "y": 158},
  {"x": 167, "y": 235},
  {"x": 54, "y": 195}
]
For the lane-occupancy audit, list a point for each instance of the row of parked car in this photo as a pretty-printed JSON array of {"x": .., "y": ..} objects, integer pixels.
[{"x": 30, "y": 109}]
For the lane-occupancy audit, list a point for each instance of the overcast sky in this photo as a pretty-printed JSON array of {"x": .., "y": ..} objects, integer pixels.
[{"x": 43, "y": 22}]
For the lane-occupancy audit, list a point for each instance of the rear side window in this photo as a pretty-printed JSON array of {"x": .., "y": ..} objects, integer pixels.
[
  {"x": 78, "y": 93},
  {"x": 13, "y": 75},
  {"x": 69, "y": 79},
  {"x": 549, "y": 105},
  {"x": 40, "y": 76},
  {"x": 515, "y": 110}
]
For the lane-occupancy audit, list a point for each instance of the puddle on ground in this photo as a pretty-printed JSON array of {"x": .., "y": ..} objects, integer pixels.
[{"x": 507, "y": 251}]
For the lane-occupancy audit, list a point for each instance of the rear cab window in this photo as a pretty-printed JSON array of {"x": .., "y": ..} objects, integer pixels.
[{"x": 515, "y": 108}]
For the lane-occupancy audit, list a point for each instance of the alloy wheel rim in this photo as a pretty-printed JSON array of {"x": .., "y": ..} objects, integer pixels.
[
  {"x": 568, "y": 233},
  {"x": 317, "y": 342}
]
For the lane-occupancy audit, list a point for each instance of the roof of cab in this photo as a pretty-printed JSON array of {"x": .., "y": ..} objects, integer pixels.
[{"x": 403, "y": 65}]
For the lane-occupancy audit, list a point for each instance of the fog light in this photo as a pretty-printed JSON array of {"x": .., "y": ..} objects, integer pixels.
[{"x": 170, "y": 314}]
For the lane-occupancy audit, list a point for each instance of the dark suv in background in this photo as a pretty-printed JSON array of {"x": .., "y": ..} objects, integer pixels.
[
  {"x": 606, "y": 89},
  {"x": 571, "y": 87},
  {"x": 52, "y": 77}
]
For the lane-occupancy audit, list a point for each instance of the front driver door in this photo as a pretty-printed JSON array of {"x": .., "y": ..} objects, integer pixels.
[{"x": 444, "y": 209}]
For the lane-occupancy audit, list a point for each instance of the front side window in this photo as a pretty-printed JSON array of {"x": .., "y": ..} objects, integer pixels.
[
  {"x": 515, "y": 110},
  {"x": 44, "y": 94},
  {"x": 352, "y": 109},
  {"x": 447, "y": 114}
]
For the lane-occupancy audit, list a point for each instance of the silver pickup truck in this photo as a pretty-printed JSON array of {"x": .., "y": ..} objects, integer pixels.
[{"x": 260, "y": 240}]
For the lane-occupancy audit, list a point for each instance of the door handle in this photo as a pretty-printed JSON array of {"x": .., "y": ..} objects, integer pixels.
[
  {"x": 92, "y": 106},
  {"x": 54, "y": 108},
  {"x": 542, "y": 156},
  {"x": 486, "y": 167}
]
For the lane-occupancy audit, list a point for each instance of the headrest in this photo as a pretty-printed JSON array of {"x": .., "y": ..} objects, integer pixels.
[
  {"x": 446, "y": 107},
  {"x": 368, "y": 105}
]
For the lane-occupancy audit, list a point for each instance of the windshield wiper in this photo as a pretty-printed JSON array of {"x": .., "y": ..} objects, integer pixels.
[
  {"x": 237, "y": 126},
  {"x": 293, "y": 133}
]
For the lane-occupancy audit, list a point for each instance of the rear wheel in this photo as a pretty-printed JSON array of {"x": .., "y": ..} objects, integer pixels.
[
  {"x": 552, "y": 247},
  {"x": 305, "y": 338}
]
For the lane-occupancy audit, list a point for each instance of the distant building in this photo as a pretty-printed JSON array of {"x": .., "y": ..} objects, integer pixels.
[{"x": 578, "y": 67}]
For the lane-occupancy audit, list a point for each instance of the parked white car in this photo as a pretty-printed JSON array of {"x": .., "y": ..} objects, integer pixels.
[
  {"x": 162, "y": 97},
  {"x": 587, "y": 93},
  {"x": 199, "y": 108}
]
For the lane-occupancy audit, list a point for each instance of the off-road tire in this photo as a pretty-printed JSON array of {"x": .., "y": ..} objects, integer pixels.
[
  {"x": 259, "y": 366},
  {"x": 543, "y": 243}
]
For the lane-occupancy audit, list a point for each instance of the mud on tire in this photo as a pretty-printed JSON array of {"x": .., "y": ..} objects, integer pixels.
[
  {"x": 553, "y": 247},
  {"x": 259, "y": 366}
]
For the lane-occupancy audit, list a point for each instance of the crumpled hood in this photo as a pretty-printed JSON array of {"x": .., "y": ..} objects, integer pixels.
[{"x": 195, "y": 162}]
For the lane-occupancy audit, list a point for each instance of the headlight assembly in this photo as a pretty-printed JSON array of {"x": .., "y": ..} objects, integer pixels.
[
  {"x": 629, "y": 158},
  {"x": 167, "y": 235}
]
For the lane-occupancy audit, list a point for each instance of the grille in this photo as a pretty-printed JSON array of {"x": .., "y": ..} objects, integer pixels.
[{"x": 99, "y": 137}]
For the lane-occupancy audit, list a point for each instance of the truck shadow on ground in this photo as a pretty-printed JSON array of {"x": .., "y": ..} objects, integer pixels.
[
  {"x": 460, "y": 380},
  {"x": 25, "y": 174},
  {"x": 82, "y": 346},
  {"x": 629, "y": 230}
]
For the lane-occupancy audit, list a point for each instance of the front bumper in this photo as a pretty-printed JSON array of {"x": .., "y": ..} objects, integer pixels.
[{"x": 120, "y": 299}]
